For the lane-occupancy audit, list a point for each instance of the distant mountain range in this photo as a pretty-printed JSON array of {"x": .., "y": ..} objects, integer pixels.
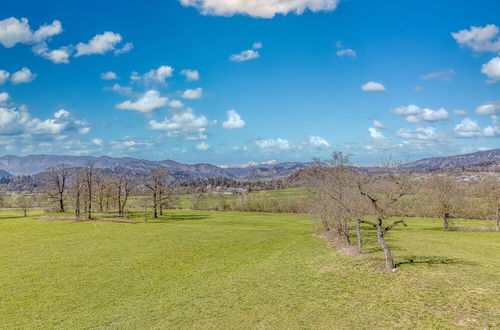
[{"x": 33, "y": 164}]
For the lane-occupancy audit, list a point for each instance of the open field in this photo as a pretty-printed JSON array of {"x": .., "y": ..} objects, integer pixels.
[{"x": 194, "y": 269}]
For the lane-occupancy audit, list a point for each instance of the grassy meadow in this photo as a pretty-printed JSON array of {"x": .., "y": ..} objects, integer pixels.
[{"x": 204, "y": 269}]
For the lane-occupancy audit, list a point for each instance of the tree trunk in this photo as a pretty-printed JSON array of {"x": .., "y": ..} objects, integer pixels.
[
  {"x": 61, "y": 204},
  {"x": 359, "y": 235},
  {"x": 389, "y": 262},
  {"x": 498, "y": 219},
  {"x": 446, "y": 221}
]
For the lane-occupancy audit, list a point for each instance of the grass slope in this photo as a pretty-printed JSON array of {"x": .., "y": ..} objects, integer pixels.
[{"x": 240, "y": 270}]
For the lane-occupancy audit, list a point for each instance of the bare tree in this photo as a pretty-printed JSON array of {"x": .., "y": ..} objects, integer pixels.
[
  {"x": 102, "y": 191},
  {"x": 156, "y": 183},
  {"x": 56, "y": 179},
  {"x": 78, "y": 188},
  {"x": 381, "y": 194},
  {"x": 24, "y": 202},
  {"x": 89, "y": 182},
  {"x": 491, "y": 193},
  {"x": 124, "y": 184},
  {"x": 445, "y": 197}
]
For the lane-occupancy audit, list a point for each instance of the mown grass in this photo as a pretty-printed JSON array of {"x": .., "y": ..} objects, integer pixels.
[{"x": 194, "y": 269}]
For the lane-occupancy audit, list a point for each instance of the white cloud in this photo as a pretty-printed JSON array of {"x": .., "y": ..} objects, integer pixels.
[
  {"x": 154, "y": 76},
  {"x": 317, "y": 142},
  {"x": 259, "y": 8},
  {"x": 191, "y": 75},
  {"x": 233, "y": 121},
  {"x": 446, "y": 75},
  {"x": 14, "y": 31},
  {"x": 459, "y": 112},
  {"x": 373, "y": 86},
  {"x": 414, "y": 114},
  {"x": 99, "y": 44},
  {"x": 4, "y": 97},
  {"x": 110, "y": 75},
  {"x": 489, "y": 108},
  {"x": 377, "y": 124},
  {"x": 202, "y": 146},
  {"x": 125, "y": 90},
  {"x": 346, "y": 52},
  {"x": 273, "y": 145},
  {"x": 375, "y": 134},
  {"x": 193, "y": 93},
  {"x": 257, "y": 45},
  {"x": 492, "y": 70},
  {"x": 22, "y": 76},
  {"x": 245, "y": 55},
  {"x": 421, "y": 133},
  {"x": 185, "y": 124},
  {"x": 468, "y": 128},
  {"x": 131, "y": 144},
  {"x": 97, "y": 142},
  {"x": 175, "y": 104},
  {"x": 125, "y": 49},
  {"x": 56, "y": 56},
  {"x": 4, "y": 76},
  {"x": 147, "y": 103},
  {"x": 61, "y": 114},
  {"x": 480, "y": 39}
]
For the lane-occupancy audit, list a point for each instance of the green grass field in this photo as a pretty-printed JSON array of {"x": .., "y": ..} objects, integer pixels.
[{"x": 195, "y": 269}]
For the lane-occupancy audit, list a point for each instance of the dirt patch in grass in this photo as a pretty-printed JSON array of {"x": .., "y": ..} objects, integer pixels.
[{"x": 73, "y": 219}]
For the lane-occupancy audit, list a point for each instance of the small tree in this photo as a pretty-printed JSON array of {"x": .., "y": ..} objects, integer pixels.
[
  {"x": 56, "y": 179},
  {"x": 156, "y": 183},
  {"x": 445, "y": 197},
  {"x": 124, "y": 183},
  {"x": 24, "y": 202},
  {"x": 78, "y": 188},
  {"x": 491, "y": 195},
  {"x": 89, "y": 185}
]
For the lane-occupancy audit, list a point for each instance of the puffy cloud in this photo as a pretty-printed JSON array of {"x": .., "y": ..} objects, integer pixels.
[
  {"x": 375, "y": 134},
  {"x": 125, "y": 49},
  {"x": 233, "y": 121},
  {"x": 257, "y": 45},
  {"x": 175, "y": 104},
  {"x": 99, "y": 44},
  {"x": 14, "y": 31},
  {"x": 346, "y": 52},
  {"x": 4, "y": 97},
  {"x": 414, "y": 114},
  {"x": 4, "y": 76},
  {"x": 259, "y": 8},
  {"x": 125, "y": 90},
  {"x": 446, "y": 75},
  {"x": 245, "y": 55},
  {"x": 202, "y": 146},
  {"x": 468, "y": 128},
  {"x": 110, "y": 75},
  {"x": 22, "y": 76},
  {"x": 185, "y": 124},
  {"x": 480, "y": 39},
  {"x": 147, "y": 103},
  {"x": 193, "y": 93},
  {"x": 373, "y": 86},
  {"x": 273, "y": 145},
  {"x": 489, "y": 108},
  {"x": 377, "y": 124},
  {"x": 492, "y": 70},
  {"x": 61, "y": 114},
  {"x": 154, "y": 76},
  {"x": 191, "y": 75},
  {"x": 130, "y": 144},
  {"x": 421, "y": 133},
  {"x": 56, "y": 56},
  {"x": 317, "y": 142},
  {"x": 97, "y": 142}
]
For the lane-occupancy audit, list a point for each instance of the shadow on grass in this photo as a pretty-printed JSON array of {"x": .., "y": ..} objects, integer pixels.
[
  {"x": 433, "y": 260},
  {"x": 178, "y": 217}
]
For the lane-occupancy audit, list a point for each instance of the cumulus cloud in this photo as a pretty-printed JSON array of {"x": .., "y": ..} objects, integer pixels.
[
  {"x": 233, "y": 121},
  {"x": 271, "y": 145},
  {"x": 375, "y": 134},
  {"x": 377, "y": 124},
  {"x": 4, "y": 76},
  {"x": 97, "y": 142},
  {"x": 459, "y": 112},
  {"x": 99, "y": 44},
  {"x": 185, "y": 124},
  {"x": 245, "y": 55},
  {"x": 154, "y": 76},
  {"x": 492, "y": 70},
  {"x": 110, "y": 75},
  {"x": 259, "y": 8},
  {"x": 421, "y": 133},
  {"x": 56, "y": 56},
  {"x": 14, "y": 31},
  {"x": 125, "y": 49},
  {"x": 202, "y": 146},
  {"x": 175, "y": 104},
  {"x": 414, "y": 114},
  {"x": 468, "y": 128},
  {"x": 489, "y": 108},
  {"x": 125, "y": 90},
  {"x": 191, "y": 75},
  {"x": 23, "y": 76},
  {"x": 445, "y": 75},
  {"x": 193, "y": 93},
  {"x": 317, "y": 142},
  {"x": 479, "y": 39},
  {"x": 341, "y": 51},
  {"x": 4, "y": 97},
  {"x": 373, "y": 86},
  {"x": 147, "y": 103}
]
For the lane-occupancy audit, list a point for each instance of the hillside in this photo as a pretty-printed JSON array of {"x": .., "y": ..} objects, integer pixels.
[{"x": 475, "y": 159}]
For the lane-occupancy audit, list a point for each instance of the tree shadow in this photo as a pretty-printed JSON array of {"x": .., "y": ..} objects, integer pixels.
[
  {"x": 433, "y": 260},
  {"x": 178, "y": 217}
]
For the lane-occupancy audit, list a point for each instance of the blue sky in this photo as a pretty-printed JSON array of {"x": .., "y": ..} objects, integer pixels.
[{"x": 228, "y": 82}]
